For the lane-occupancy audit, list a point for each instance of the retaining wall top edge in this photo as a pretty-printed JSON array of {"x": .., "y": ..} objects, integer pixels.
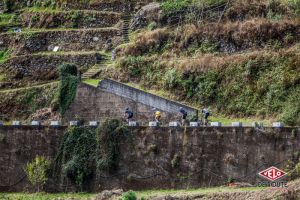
[{"x": 107, "y": 80}]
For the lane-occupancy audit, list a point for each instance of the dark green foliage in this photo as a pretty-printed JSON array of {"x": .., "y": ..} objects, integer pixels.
[
  {"x": 110, "y": 134},
  {"x": 8, "y": 6},
  {"x": 291, "y": 109},
  {"x": 67, "y": 69},
  {"x": 77, "y": 155},
  {"x": 45, "y": 3},
  {"x": 174, "y": 6},
  {"x": 68, "y": 86},
  {"x": 175, "y": 161},
  {"x": 130, "y": 195},
  {"x": 85, "y": 152},
  {"x": 75, "y": 17}
]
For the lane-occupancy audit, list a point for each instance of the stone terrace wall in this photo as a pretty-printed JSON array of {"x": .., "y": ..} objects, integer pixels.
[
  {"x": 124, "y": 6},
  {"x": 206, "y": 156},
  {"x": 44, "y": 66},
  {"x": 86, "y": 19},
  {"x": 111, "y": 98},
  {"x": 71, "y": 40}
]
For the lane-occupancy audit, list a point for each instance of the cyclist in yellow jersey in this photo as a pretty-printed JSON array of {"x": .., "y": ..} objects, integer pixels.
[{"x": 157, "y": 116}]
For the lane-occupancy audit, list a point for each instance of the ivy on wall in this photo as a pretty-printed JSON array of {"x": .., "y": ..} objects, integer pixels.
[
  {"x": 85, "y": 151},
  {"x": 68, "y": 86}
]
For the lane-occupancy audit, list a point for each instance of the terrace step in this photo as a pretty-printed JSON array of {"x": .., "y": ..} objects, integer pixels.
[
  {"x": 125, "y": 28},
  {"x": 96, "y": 69}
]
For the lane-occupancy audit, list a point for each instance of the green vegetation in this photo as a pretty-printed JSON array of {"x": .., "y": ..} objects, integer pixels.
[
  {"x": 46, "y": 196},
  {"x": 92, "y": 82},
  {"x": 269, "y": 84},
  {"x": 171, "y": 6},
  {"x": 76, "y": 155},
  {"x": 4, "y": 55},
  {"x": 130, "y": 195},
  {"x": 75, "y": 17},
  {"x": 203, "y": 191},
  {"x": 68, "y": 86},
  {"x": 85, "y": 151},
  {"x": 111, "y": 133},
  {"x": 20, "y": 103},
  {"x": 36, "y": 172},
  {"x": 8, "y": 6}
]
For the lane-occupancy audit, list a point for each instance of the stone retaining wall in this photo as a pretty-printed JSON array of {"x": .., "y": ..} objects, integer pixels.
[
  {"x": 160, "y": 157},
  {"x": 44, "y": 66},
  {"x": 66, "y": 40}
]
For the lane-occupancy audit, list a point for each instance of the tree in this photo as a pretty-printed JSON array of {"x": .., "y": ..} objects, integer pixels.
[{"x": 36, "y": 171}]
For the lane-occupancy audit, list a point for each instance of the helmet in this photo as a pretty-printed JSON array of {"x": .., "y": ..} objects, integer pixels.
[{"x": 181, "y": 108}]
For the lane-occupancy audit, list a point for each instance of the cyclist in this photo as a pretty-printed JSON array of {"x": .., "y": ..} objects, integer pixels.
[
  {"x": 206, "y": 114},
  {"x": 183, "y": 114},
  {"x": 128, "y": 114}
]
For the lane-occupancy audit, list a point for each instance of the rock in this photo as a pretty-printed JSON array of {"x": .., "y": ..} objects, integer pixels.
[
  {"x": 147, "y": 14},
  {"x": 109, "y": 194}
]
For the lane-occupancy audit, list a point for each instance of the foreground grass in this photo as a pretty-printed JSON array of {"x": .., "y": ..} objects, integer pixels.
[
  {"x": 157, "y": 193},
  {"x": 140, "y": 194},
  {"x": 45, "y": 196}
]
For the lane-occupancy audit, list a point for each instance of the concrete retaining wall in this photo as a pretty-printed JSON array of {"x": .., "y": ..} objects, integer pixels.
[
  {"x": 111, "y": 98},
  {"x": 140, "y": 96}
]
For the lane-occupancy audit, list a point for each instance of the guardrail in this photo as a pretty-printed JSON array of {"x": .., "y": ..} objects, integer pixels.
[{"x": 150, "y": 124}]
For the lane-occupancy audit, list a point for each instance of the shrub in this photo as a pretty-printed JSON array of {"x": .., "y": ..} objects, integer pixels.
[
  {"x": 291, "y": 109},
  {"x": 132, "y": 65},
  {"x": 75, "y": 17},
  {"x": 130, "y": 195},
  {"x": 171, "y": 6},
  {"x": 36, "y": 171},
  {"x": 294, "y": 5},
  {"x": 171, "y": 79},
  {"x": 67, "y": 86},
  {"x": 8, "y": 5},
  {"x": 67, "y": 69}
]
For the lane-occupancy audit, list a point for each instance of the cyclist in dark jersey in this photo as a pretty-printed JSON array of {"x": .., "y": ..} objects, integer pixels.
[
  {"x": 183, "y": 114},
  {"x": 128, "y": 114},
  {"x": 206, "y": 114}
]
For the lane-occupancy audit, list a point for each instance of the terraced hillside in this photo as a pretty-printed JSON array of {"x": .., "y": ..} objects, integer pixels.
[
  {"x": 38, "y": 36},
  {"x": 240, "y": 58}
]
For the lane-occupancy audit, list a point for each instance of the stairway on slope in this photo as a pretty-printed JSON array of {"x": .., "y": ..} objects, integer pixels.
[
  {"x": 125, "y": 28},
  {"x": 97, "y": 68}
]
